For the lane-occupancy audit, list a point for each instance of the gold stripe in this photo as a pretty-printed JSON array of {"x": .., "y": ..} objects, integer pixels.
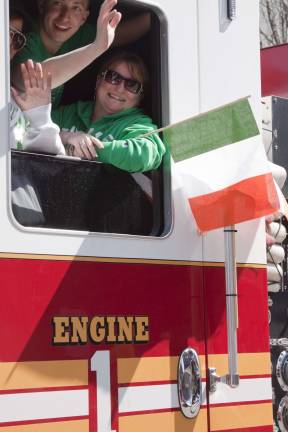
[
  {"x": 221, "y": 418},
  {"x": 66, "y": 426},
  {"x": 241, "y": 416},
  {"x": 168, "y": 422},
  {"x": 144, "y": 369},
  {"x": 147, "y": 369},
  {"x": 67, "y": 373},
  {"x": 122, "y": 260},
  {"x": 43, "y": 374},
  {"x": 248, "y": 363}
]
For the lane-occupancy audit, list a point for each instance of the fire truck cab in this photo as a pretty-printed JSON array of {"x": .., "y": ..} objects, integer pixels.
[{"x": 122, "y": 325}]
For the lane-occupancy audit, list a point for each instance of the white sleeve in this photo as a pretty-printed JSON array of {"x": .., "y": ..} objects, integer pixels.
[{"x": 41, "y": 133}]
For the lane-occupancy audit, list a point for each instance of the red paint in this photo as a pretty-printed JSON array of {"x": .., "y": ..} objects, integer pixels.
[
  {"x": 171, "y": 296},
  {"x": 43, "y": 389},
  {"x": 31, "y": 422},
  {"x": 155, "y": 411},
  {"x": 147, "y": 383},
  {"x": 258, "y": 402},
  {"x": 251, "y": 429},
  {"x": 253, "y": 332},
  {"x": 274, "y": 70},
  {"x": 92, "y": 402},
  {"x": 175, "y": 298}
]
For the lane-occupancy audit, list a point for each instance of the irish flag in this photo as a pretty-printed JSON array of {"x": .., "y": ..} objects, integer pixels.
[{"x": 223, "y": 166}]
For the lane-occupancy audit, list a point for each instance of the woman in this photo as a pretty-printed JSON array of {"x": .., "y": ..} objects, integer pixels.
[{"x": 113, "y": 124}]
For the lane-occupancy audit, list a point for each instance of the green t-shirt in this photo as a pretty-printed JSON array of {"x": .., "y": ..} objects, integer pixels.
[
  {"x": 120, "y": 133},
  {"x": 35, "y": 50}
]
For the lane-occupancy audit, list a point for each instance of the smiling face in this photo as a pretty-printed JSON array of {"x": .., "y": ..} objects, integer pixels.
[
  {"x": 111, "y": 98},
  {"x": 60, "y": 20}
]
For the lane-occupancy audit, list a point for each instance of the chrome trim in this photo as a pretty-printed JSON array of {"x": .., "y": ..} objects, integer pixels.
[
  {"x": 189, "y": 383},
  {"x": 283, "y": 342},
  {"x": 282, "y": 370},
  {"x": 232, "y": 378},
  {"x": 282, "y": 414},
  {"x": 214, "y": 379},
  {"x": 231, "y": 9}
]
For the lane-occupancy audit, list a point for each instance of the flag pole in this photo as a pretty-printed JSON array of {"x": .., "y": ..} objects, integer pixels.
[
  {"x": 232, "y": 377},
  {"x": 231, "y": 304}
]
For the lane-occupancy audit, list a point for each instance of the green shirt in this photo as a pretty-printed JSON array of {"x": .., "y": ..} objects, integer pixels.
[
  {"x": 118, "y": 132},
  {"x": 35, "y": 50}
]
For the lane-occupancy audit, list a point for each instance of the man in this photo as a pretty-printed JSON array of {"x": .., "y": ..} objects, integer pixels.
[
  {"x": 31, "y": 126},
  {"x": 63, "y": 67},
  {"x": 63, "y": 28}
]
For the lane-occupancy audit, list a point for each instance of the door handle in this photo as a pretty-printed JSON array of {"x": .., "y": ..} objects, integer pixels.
[{"x": 189, "y": 383}]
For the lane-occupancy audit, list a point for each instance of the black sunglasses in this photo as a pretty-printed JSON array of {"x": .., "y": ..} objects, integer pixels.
[
  {"x": 17, "y": 38},
  {"x": 113, "y": 77}
]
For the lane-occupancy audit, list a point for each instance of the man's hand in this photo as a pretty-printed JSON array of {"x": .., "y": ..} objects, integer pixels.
[
  {"x": 80, "y": 144},
  {"x": 107, "y": 23},
  {"x": 37, "y": 89}
]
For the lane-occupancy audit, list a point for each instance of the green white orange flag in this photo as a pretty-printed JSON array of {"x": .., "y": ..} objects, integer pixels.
[{"x": 223, "y": 166}]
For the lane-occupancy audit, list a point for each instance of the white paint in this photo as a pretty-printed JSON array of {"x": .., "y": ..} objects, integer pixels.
[
  {"x": 208, "y": 67},
  {"x": 74, "y": 403},
  {"x": 100, "y": 363},
  {"x": 249, "y": 390},
  {"x": 165, "y": 396},
  {"x": 229, "y": 60},
  {"x": 43, "y": 405},
  {"x": 147, "y": 398}
]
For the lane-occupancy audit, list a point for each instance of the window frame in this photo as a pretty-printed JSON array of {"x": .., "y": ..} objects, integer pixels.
[{"x": 161, "y": 178}]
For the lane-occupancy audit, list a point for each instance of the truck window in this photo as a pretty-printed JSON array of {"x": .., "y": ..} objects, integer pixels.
[{"x": 73, "y": 194}]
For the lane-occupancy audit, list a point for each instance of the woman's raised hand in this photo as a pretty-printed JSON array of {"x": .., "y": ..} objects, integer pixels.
[{"x": 37, "y": 89}]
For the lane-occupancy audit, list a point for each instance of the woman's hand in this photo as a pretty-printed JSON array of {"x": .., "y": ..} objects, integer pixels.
[
  {"x": 80, "y": 144},
  {"x": 37, "y": 89},
  {"x": 107, "y": 23}
]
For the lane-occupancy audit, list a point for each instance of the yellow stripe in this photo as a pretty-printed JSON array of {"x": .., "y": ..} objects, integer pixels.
[
  {"x": 147, "y": 369},
  {"x": 66, "y": 373},
  {"x": 221, "y": 418},
  {"x": 25, "y": 375},
  {"x": 122, "y": 260},
  {"x": 67, "y": 426},
  {"x": 241, "y": 416},
  {"x": 248, "y": 363},
  {"x": 163, "y": 422}
]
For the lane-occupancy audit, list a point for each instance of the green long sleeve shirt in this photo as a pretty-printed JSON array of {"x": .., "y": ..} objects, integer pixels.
[{"x": 120, "y": 134}]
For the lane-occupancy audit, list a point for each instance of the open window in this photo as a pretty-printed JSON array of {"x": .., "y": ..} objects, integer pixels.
[{"x": 75, "y": 194}]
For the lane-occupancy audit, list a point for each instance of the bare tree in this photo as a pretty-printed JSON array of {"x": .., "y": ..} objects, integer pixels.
[{"x": 273, "y": 22}]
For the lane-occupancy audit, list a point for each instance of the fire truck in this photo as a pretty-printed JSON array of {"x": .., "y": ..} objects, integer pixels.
[{"x": 115, "y": 316}]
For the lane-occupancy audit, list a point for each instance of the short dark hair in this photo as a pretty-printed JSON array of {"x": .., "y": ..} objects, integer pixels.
[
  {"x": 42, "y": 4},
  {"x": 135, "y": 63},
  {"x": 16, "y": 11}
]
